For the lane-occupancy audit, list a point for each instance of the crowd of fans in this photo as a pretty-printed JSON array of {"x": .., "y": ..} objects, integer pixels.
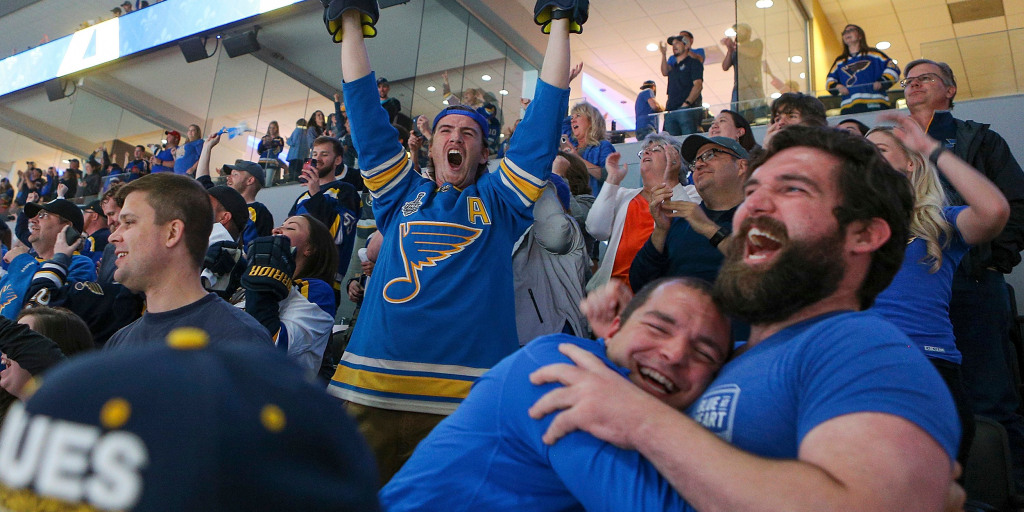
[{"x": 847, "y": 264}]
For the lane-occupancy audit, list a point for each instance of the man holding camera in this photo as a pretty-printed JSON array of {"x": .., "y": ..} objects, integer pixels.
[{"x": 331, "y": 201}]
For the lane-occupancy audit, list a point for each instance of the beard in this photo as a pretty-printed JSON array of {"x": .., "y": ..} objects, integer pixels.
[{"x": 804, "y": 272}]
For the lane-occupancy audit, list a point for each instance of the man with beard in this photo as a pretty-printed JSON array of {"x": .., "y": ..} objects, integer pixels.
[
  {"x": 827, "y": 406},
  {"x": 439, "y": 309}
]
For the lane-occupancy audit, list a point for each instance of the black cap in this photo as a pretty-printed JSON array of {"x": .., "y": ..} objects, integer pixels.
[
  {"x": 95, "y": 206},
  {"x": 62, "y": 207},
  {"x": 382, "y": 80},
  {"x": 647, "y": 85},
  {"x": 233, "y": 202}
]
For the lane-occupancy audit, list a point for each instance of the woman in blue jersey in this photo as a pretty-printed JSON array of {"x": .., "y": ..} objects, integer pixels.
[
  {"x": 917, "y": 301},
  {"x": 587, "y": 125},
  {"x": 862, "y": 74},
  {"x": 301, "y": 322}
]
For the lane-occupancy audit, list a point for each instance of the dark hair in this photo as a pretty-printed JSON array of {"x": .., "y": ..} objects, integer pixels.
[
  {"x": 62, "y": 326},
  {"x": 403, "y": 135},
  {"x": 143, "y": 148},
  {"x": 176, "y": 196},
  {"x": 312, "y": 123},
  {"x": 323, "y": 262},
  {"x": 809, "y": 107},
  {"x": 482, "y": 168},
  {"x": 576, "y": 176},
  {"x": 863, "y": 43},
  {"x": 868, "y": 188},
  {"x": 641, "y": 296},
  {"x": 747, "y": 139},
  {"x": 945, "y": 73},
  {"x": 861, "y": 127},
  {"x": 335, "y": 144}
]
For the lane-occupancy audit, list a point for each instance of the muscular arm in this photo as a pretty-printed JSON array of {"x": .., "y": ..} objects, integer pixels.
[
  {"x": 856, "y": 461},
  {"x": 698, "y": 86}
]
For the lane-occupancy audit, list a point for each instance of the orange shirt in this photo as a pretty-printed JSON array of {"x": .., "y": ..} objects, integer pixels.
[{"x": 636, "y": 229}]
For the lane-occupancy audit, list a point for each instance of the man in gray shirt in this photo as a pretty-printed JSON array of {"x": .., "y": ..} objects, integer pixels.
[{"x": 160, "y": 244}]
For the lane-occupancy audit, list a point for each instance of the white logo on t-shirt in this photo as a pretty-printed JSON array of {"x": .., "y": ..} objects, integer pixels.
[{"x": 716, "y": 410}]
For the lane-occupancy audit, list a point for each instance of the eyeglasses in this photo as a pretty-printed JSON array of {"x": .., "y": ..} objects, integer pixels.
[
  {"x": 923, "y": 78},
  {"x": 650, "y": 150},
  {"x": 43, "y": 214},
  {"x": 708, "y": 155}
]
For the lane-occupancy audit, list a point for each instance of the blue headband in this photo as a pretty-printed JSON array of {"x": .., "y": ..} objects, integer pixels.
[{"x": 476, "y": 116}]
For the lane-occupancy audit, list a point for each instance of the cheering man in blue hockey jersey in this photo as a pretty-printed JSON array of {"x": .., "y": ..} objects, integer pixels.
[{"x": 439, "y": 309}]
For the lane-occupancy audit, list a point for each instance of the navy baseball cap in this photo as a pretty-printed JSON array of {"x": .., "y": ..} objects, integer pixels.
[
  {"x": 695, "y": 141},
  {"x": 94, "y": 206},
  {"x": 184, "y": 426},
  {"x": 233, "y": 202},
  {"x": 66, "y": 209},
  {"x": 253, "y": 168},
  {"x": 463, "y": 111}
]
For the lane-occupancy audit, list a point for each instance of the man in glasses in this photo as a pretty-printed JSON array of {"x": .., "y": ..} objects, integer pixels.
[
  {"x": 980, "y": 307},
  {"x": 686, "y": 235},
  {"x": 621, "y": 216}
]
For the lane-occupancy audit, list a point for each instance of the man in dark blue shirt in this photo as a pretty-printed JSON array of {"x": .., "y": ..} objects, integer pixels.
[{"x": 685, "y": 81}]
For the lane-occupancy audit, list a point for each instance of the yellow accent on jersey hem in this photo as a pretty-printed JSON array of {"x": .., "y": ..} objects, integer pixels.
[{"x": 404, "y": 384}]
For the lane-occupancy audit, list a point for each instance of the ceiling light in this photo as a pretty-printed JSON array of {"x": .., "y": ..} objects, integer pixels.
[
  {"x": 730, "y": 32},
  {"x": 503, "y": 92},
  {"x": 706, "y": 105},
  {"x": 894, "y": 61},
  {"x": 431, "y": 88},
  {"x": 764, "y": 4},
  {"x": 651, "y": 47},
  {"x": 444, "y": 101},
  {"x": 883, "y": 45},
  {"x": 163, "y": 141},
  {"x": 486, "y": 78},
  {"x": 776, "y": 95},
  {"x": 803, "y": 75},
  {"x": 796, "y": 59}
]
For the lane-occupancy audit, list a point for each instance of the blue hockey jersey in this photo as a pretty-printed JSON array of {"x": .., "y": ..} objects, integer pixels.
[
  {"x": 439, "y": 309},
  {"x": 858, "y": 73}
]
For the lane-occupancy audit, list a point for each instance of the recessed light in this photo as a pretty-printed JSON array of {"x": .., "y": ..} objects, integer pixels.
[
  {"x": 706, "y": 105},
  {"x": 803, "y": 75},
  {"x": 730, "y": 32},
  {"x": 894, "y": 61},
  {"x": 444, "y": 101},
  {"x": 883, "y": 45},
  {"x": 796, "y": 59},
  {"x": 776, "y": 95},
  {"x": 651, "y": 47},
  {"x": 503, "y": 92},
  {"x": 431, "y": 88},
  {"x": 764, "y": 4},
  {"x": 163, "y": 141},
  {"x": 486, "y": 78}
]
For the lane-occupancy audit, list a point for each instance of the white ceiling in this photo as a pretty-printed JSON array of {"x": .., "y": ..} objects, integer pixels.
[{"x": 224, "y": 91}]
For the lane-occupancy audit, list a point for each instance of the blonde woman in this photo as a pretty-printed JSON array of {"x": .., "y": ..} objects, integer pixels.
[
  {"x": 917, "y": 301},
  {"x": 589, "y": 141}
]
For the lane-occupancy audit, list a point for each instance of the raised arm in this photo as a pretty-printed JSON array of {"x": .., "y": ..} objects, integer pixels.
[
  {"x": 203, "y": 164},
  {"x": 355, "y": 62},
  {"x": 987, "y": 209}
]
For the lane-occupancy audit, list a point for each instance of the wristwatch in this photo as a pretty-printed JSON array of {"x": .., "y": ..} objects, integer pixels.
[{"x": 718, "y": 237}]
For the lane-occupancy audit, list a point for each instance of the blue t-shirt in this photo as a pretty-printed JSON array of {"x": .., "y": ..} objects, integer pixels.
[
  {"x": 597, "y": 156},
  {"x": 166, "y": 155},
  {"x": 643, "y": 109},
  {"x": 917, "y": 301},
  {"x": 488, "y": 455},
  {"x": 767, "y": 399},
  {"x": 189, "y": 157}
]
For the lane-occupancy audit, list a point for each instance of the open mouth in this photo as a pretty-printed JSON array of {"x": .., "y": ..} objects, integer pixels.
[
  {"x": 657, "y": 381},
  {"x": 454, "y": 158},
  {"x": 761, "y": 245}
]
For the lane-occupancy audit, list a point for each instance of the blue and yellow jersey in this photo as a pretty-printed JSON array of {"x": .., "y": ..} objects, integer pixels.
[
  {"x": 439, "y": 308},
  {"x": 337, "y": 206},
  {"x": 260, "y": 223},
  {"x": 859, "y": 72}
]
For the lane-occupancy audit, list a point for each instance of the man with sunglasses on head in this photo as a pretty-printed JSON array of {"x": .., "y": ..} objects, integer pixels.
[
  {"x": 685, "y": 72},
  {"x": 980, "y": 306}
]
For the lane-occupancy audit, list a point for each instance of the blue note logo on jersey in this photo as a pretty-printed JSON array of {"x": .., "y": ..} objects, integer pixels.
[
  {"x": 716, "y": 410},
  {"x": 853, "y": 68},
  {"x": 424, "y": 244}
]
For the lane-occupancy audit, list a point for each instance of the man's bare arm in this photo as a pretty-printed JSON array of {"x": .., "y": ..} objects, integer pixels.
[{"x": 860, "y": 461}]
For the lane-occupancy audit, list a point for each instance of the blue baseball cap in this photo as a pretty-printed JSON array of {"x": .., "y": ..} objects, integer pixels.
[
  {"x": 562, "y": 188},
  {"x": 185, "y": 425},
  {"x": 464, "y": 111}
]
